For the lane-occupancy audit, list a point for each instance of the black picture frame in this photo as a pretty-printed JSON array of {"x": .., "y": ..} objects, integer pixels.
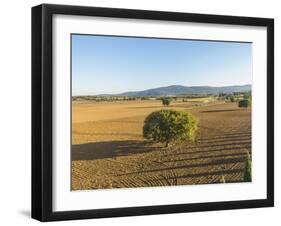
[{"x": 42, "y": 111}]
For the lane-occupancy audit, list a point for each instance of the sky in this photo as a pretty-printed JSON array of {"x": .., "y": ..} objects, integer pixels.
[{"x": 112, "y": 65}]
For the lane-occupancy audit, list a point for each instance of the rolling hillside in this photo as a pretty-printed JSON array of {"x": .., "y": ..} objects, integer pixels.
[{"x": 179, "y": 90}]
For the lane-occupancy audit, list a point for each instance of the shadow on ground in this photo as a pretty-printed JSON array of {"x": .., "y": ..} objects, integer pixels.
[
  {"x": 25, "y": 213},
  {"x": 110, "y": 149}
]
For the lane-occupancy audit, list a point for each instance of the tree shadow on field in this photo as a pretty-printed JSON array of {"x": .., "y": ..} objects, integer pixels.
[
  {"x": 110, "y": 149},
  {"x": 212, "y": 163}
]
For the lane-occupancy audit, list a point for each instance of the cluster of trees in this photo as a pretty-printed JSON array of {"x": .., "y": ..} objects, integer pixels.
[
  {"x": 235, "y": 95},
  {"x": 242, "y": 98}
]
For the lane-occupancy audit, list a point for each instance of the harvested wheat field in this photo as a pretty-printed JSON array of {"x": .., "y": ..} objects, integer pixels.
[{"x": 108, "y": 149}]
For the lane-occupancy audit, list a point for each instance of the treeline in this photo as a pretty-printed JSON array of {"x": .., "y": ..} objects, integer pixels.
[
  {"x": 231, "y": 97},
  {"x": 128, "y": 98},
  {"x": 106, "y": 98},
  {"x": 235, "y": 96}
]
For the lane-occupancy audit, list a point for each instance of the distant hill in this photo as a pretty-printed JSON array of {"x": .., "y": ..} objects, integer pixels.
[{"x": 181, "y": 90}]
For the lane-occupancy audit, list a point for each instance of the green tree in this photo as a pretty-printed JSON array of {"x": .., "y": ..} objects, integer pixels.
[
  {"x": 166, "y": 101},
  {"x": 244, "y": 103},
  {"x": 167, "y": 126}
]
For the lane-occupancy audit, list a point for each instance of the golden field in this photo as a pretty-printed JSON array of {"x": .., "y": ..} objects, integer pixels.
[{"x": 108, "y": 150}]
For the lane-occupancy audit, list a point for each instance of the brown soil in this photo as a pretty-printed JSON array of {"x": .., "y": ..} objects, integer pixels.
[{"x": 108, "y": 150}]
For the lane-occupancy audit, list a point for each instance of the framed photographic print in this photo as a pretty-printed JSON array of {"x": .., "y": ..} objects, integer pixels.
[{"x": 145, "y": 112}]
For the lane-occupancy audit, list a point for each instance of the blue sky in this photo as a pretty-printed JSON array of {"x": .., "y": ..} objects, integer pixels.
[{"x": 110, "y": 65}]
